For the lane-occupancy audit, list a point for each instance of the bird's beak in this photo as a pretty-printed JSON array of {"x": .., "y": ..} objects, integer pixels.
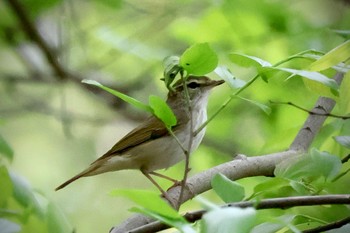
[{"x": 214, "y": 83}]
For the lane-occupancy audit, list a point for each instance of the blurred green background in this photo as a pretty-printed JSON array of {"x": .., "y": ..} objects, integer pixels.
[{"x": 57, "y": 127}]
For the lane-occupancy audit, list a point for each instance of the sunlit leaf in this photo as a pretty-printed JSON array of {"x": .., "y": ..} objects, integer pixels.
[
  {"x": 228, "y": 220},
  {"x": 120, "y": 95},
  {"x": 199, "y": 59},
  {"x": 320, "y": 88},
  {"x": 343, "y": 140},
  {"x": 231, "y": 80},
  {"x": 149, "y": 200},
  {"x": 248, "y": 61},
  {"x": 228, "y": 190},
  {"x": 5, "y": 149},
  {"x": 162, "y": 110},
  {"x": 339, "y": 54}
]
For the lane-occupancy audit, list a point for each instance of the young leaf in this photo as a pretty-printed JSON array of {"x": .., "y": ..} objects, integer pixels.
[
  {"x": 162, "y": 111},
  {"x": 228, "y": 190},
  {"x": 248, "y": 61},
  {"x": 231, "y": 80},
  {"x": 228, "y": 220},
  {"x": 120, "y": 95},
  {"x": 5, "y": 149},
  {"x": 343, "y": 140},
  {"x": 333, "y": 57},
  {"x": 148, "y": 200},
  {"x": 263, "y": 107},
  {"x": 199, "y": 59}
]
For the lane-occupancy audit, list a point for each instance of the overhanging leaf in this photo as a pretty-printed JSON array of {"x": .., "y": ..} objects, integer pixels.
[
  {"x": 335, "y": 56},
  {"x": 120, "y": 95},
  {"x": 162, "y": 111},
  {"x": 199, "y": 59}
]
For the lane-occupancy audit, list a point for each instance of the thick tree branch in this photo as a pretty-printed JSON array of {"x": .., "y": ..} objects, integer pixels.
[{"x": 263, "y": 165}]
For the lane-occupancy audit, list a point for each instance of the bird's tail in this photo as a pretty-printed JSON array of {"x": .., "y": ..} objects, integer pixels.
[{"x": 87, "y": 172}]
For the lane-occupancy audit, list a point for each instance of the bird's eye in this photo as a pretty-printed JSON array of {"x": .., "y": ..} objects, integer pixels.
[{"x": 193, "y": 85}]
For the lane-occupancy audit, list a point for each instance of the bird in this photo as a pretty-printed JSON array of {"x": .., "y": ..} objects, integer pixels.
[{"x": 150, "y": 146}]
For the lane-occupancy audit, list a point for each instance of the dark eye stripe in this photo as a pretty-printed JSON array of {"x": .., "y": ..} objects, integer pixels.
[{"x": 193, "y": 85}]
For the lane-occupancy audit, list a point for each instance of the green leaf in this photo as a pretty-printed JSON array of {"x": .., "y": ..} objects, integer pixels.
[
  {"x": 149, "y": 200},
  {"x": 228, "y": 190},
  {"x": 56, "y": 221},
  {"x": 248, "y": 61},
  {"x": 24, "y": 194},
  {"x": 171, "y": 69},
  {"x": 120, "y": 95},
  {"x": 199, "y": 59},
  {"x": 310, "y": 75},
  {"x": 274, "y": 225},
  {"x": 263, "y": 107},
  {"x": 312, "y": 165},
  {"x": 5, "y": 149},
  {"x": 162, "y": 111},
  {"x": 179, "y": 224},
  {"x": 5, "y": 186},
  {"x": 343, "y": 140},
  {"x": 335, "y": 56},
  {"x": 232, "y": 81},
  {"x": 228, "y": 220},
  {"x": 7, "y": 226},
  {"x": 272, "y": 184}
]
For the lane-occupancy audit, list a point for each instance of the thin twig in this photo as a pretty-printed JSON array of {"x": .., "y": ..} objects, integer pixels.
[
  {"x": 330, "y": 226},
  {"x": 188, "y": 152},
  {"x": 310, "y": 111}
]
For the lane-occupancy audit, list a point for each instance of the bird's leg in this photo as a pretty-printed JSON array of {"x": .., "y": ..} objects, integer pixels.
[
  {"x": 166, "y": 196},
  {"x": 176, "y": 182}
]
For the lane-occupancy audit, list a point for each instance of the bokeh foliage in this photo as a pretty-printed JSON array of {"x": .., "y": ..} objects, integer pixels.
[{"x": 51, "y": 129}]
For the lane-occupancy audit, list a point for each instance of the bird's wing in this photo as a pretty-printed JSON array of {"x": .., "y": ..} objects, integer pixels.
[{"x": 151, "y": 129}]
